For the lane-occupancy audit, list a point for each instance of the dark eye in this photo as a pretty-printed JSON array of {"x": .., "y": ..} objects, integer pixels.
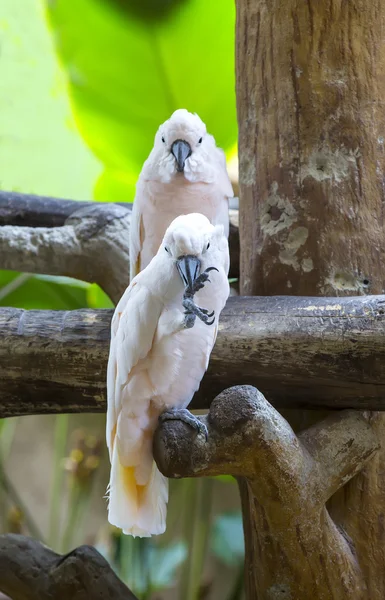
[
  {"x": 200, "y": 141},
  {"x": 208, "y": 246},
  {"x": 167, "y": 250},
  {"x": 163, "y": 140}
]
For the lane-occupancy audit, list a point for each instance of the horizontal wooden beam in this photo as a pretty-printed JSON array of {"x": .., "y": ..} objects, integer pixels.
[{"x": 300, "y": 352}]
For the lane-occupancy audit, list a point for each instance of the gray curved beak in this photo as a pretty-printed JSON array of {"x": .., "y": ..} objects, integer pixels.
[
  {"x": 189, "y": 268},
  {"x": 181, "y": 151}
]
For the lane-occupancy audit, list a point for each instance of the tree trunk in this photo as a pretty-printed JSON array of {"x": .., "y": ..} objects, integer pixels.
[{"x": 310, "y": 89}]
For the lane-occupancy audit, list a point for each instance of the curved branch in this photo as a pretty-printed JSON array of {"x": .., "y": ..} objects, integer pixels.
[
  {"x": 91, "y": 246},
  {"x": 84, "y": 240},
  {"x": 246, "y": 433},
  {"x": 31, "y": 571},
  {"x": 285, "y": 481}
]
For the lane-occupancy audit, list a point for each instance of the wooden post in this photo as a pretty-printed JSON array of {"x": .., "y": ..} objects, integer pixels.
[{"x": 310, "y": 93}]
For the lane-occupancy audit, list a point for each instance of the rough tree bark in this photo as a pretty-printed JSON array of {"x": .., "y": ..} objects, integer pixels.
[
  {"x": 310, "y": 89},
  {"x": 286, "y": 481},
  {"x": 84, "y": 240},
  {"x": 31, "y": 571},
  {"x": 309, "y": 352}
]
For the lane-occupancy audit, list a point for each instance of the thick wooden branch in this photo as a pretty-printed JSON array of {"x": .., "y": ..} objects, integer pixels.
[
  {"x": 31, "y": 571},
  {"x": 92, "y": 245},
  {"x": 285, "y": 481},
  {"x": 308, "y": 352},
  {"x": 245, "y": 433},
  {"x": 84, "y": 240}
]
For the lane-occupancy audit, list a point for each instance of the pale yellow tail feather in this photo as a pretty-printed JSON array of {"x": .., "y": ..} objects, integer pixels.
[{"x": 139, "y": 510}]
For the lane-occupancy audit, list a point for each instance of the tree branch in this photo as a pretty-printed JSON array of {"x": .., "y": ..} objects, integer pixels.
[
  {"x": 31, "y": 571},
  {"x": 285, "y": 481},
  {"x": 84, "y": 240},
  {"x": 307, "y": 352},
  {"x": 92, "y": 246}
]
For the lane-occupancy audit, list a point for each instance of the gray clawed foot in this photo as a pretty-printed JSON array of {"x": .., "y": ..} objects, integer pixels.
[
  {"x": 182, "y": 414},
  {"x": 189, "y": 320},
  {"x": 194, "y": 310},
  {"x": 200, "y": 281}
]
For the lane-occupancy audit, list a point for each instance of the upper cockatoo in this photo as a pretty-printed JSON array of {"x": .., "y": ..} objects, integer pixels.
[
  {"x": 160, "y": 348},
  {"x": 185, "y": 172}
]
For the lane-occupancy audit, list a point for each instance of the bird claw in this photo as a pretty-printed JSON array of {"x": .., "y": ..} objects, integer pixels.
[
  {"x": 200, "y": 281},
  {"x": 193, "y": 310},
  {"x": 182, "y": 414},
  {"x": 206, "y": 312},
  {"x": 189, "y": 320}
]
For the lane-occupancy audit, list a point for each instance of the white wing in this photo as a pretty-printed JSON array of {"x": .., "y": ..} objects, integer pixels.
[
  {"x": 224, "y": 179},
  {"x": 133, "y": 329},
  {"x": 136, "y": 233}
]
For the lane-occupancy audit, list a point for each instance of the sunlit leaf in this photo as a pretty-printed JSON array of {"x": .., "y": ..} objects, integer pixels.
[
  {"x": 40, "y": 151},
  {"x": 39, "y": 292},
  {"x": 96, "y": 298},
  {"x": 225, "y": 478},
  {"x": 131, "y": 64}
]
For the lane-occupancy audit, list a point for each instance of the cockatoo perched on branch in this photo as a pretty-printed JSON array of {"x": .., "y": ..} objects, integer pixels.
[
  {"x": 185, "y": 172},
  {"x": 158, "y": 356}
]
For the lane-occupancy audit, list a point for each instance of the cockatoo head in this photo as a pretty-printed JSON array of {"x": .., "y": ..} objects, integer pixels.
[
  {"x": 192, "y": 244},
  {"x": 183, "y": 148}
]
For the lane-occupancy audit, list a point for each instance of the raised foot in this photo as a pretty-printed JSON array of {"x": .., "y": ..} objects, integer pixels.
[
  {"x": 182, "y": 414},
  {"x": 192, "y": 311},
  {"x": 199, "y": 282}
]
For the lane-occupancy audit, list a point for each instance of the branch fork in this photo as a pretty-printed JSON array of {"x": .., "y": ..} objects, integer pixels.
[{"x": 285, "y": 481}]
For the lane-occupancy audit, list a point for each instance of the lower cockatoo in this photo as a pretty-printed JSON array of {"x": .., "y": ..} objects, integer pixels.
[
  {"x": 185, "y": 172},
  {"x": 160, "y": 348}
]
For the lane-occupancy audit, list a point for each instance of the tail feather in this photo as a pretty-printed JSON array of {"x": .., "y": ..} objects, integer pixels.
[
  {"x": 139, "y": 510},
  {"x": 153, "y": 503}
]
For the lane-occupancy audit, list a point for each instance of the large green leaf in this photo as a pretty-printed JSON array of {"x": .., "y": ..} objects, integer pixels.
[
  {"x": 40, "y": 150},
  {"x": 131, "y": 64},
  {"x": 39, "y": 291}
]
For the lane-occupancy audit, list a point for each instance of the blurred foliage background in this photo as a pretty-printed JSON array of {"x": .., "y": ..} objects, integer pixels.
[{"x": 83, "y": 88}]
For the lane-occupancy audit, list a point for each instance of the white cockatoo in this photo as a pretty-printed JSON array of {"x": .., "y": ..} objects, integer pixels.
[
  {"x": 185, "y": 172},
  {"x": 160, "y": 348}
]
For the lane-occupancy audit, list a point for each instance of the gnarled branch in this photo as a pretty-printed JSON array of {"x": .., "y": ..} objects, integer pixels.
[
  {"x": 84, "y": 240},
  {"x": 92, "y": 246},
  {"x": 31, "y": 571},
  {"x": 285, "y": 481}
]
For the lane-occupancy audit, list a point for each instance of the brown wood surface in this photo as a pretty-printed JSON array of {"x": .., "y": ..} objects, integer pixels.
[
  {"x": 31, "y": 571},
  {"x": 310, "y": 352},
  {"x": 310, "y": 95},
  {"x": 294, "y": 551},
  {"x": 31, "y": 211}
]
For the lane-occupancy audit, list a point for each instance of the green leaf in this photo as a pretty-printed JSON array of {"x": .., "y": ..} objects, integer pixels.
[
  {"x": 131, "y": 64},
  {"x": 227, "y": 540},
  {"x": 40, "y": 151},
  {"x": 41, "y": 292},
  {"x": 96, "y": 298},
  {"x": 225, "y": 478}
]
